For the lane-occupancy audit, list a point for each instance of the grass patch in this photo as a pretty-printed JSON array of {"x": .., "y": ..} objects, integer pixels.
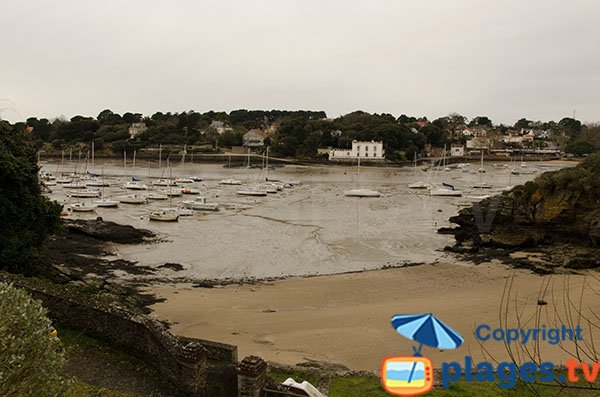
[
  {"x": 356, "y": 386},
  {"x": 370, "y": 386},
  {"x": 279, "y": 375},
  {"x": 80, "y": 389}
]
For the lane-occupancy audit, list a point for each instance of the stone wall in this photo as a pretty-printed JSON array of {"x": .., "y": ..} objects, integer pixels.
[{"x": 196, "y": 370}]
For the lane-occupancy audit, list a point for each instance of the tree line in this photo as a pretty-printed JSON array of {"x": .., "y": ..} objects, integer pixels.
[{"x": 295, "y": 134}]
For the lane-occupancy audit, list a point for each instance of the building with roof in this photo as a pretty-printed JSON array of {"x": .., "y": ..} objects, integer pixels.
[{"x": 368, "y": 150}]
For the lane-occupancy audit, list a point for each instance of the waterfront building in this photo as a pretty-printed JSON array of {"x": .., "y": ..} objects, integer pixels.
[{"x": 368, "y": 150}]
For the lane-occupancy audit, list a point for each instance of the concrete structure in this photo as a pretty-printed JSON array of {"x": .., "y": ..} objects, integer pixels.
[
  {"x": 368, "y": 150},
  {"x": 254, "y": 138}
]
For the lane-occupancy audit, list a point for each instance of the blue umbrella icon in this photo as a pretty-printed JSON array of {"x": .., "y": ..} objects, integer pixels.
[{"x": 427, "y": 330}]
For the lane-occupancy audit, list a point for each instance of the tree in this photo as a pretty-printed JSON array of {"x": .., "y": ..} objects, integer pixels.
[
  {"x": 481, "y": 120},
  {"x": 580, "y": 148},
  {"x": 455, "y": 120},
  {"x": 571, "y": 127},
  {"x": 31, "y": 357},
  {"x": 28, "y": 218},
  {"x": 434, "y": 134},
  {"x": 522, "y": 123}
]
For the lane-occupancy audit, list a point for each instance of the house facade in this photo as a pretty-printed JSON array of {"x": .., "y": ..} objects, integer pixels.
[
  {"x": 136, "y": 129},
  {"x": 368, "y": 150},
  {"x": 254, "y": 138}
]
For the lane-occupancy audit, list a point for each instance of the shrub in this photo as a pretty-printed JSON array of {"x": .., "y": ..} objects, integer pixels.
[
  {"x": 31, "y": 359},
  {"x": 28, "y": 217}
]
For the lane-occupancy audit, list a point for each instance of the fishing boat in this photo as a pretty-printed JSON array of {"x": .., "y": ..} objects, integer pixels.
[
  {"x": 106, "y": 203},
  {"x": 230, "y": 182},
  {"x": 200, "y": 204},
  {"x": 164, "y": 216},
  {"x": 62, "y": 180},
  {"x": 132, "y": 199},
  {"x": 483, "y": 185},
  {"x": 196, "y": 178},
  {"x": 83, "y": 193},
  {"x": 82, "y": 207}
]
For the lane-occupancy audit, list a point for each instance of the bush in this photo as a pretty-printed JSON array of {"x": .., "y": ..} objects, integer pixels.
[
  {"x": 28, "y": 218},
  {"x": 31, "y": 359}
]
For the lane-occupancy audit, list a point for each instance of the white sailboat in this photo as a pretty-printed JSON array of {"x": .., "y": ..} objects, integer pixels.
[
  {"x": 82, "y": 207},
  {"x": 230, "y": 182},
  {"x": 361, "y": 192},
  {"x": 132, "y": 199},
  {"x": 445, "y": 190},
  {"x": 418, "y": 184},
  {"x": 84, "y": 193},
  {"x": 481, "y": 184},
  {"x": 166, "y": 214}
]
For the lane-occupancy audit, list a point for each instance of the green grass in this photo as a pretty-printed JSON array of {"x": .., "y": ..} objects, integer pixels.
[
  {"x": 363, "y": 386},
  {"x": 356, "y": 386},
  {"x": 279, "y": 375},
  {"x": 80, "y": 389}
]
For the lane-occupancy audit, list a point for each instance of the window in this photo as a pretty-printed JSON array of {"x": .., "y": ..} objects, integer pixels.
[{"x": 366, "y": 154}]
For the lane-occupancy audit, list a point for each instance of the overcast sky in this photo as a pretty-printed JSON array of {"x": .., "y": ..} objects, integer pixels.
[{"x": 504, "y": 59}]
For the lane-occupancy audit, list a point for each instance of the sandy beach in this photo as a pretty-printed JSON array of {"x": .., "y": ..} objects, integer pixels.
[{"x": 344, "y": 319}]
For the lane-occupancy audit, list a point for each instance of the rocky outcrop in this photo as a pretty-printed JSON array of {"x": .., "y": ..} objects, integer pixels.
[
  {"x": 549, "y": 224},
  {"x": 108, "y": 231}
]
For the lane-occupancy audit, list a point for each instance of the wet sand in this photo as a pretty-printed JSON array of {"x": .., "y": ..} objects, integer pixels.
[
  {"x": 309, "y": 229},
  {"x": 344, "y": 319}
]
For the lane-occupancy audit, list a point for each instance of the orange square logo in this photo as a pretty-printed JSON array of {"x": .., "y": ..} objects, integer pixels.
[{"x": 407, "y": 376}]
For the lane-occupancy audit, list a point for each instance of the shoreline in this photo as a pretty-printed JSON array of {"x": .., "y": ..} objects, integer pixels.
[{"x": 342, "y": 320}]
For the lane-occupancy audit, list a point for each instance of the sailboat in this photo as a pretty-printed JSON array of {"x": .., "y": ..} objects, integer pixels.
[
  {"x": 419, "y": 184},
  {"x": 165, "y": 214},
  {"x": 105, "y": 202},
  {"x": 481, "y": 170},
  {"x": 251, "y": 190},
  {"x": 82, "y": 207},
  {"x": 446, "y": 190},
  {"x": 481, "y": 184},
  {"x": 361, "y": 192}
]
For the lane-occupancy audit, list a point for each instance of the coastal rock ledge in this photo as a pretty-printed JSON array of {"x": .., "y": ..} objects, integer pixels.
[{"x": 551, "y": 224}]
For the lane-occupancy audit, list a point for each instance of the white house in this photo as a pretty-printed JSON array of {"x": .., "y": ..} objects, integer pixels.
[
  {"x": 220, "y": 126},
  {"x": 137, "y": 128},
  {"x": 457, "y": 151},
  {"x": 369, "y": 150}
]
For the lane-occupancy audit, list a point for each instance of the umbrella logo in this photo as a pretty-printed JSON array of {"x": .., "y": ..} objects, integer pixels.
[{"x": 413, "y": 375}]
